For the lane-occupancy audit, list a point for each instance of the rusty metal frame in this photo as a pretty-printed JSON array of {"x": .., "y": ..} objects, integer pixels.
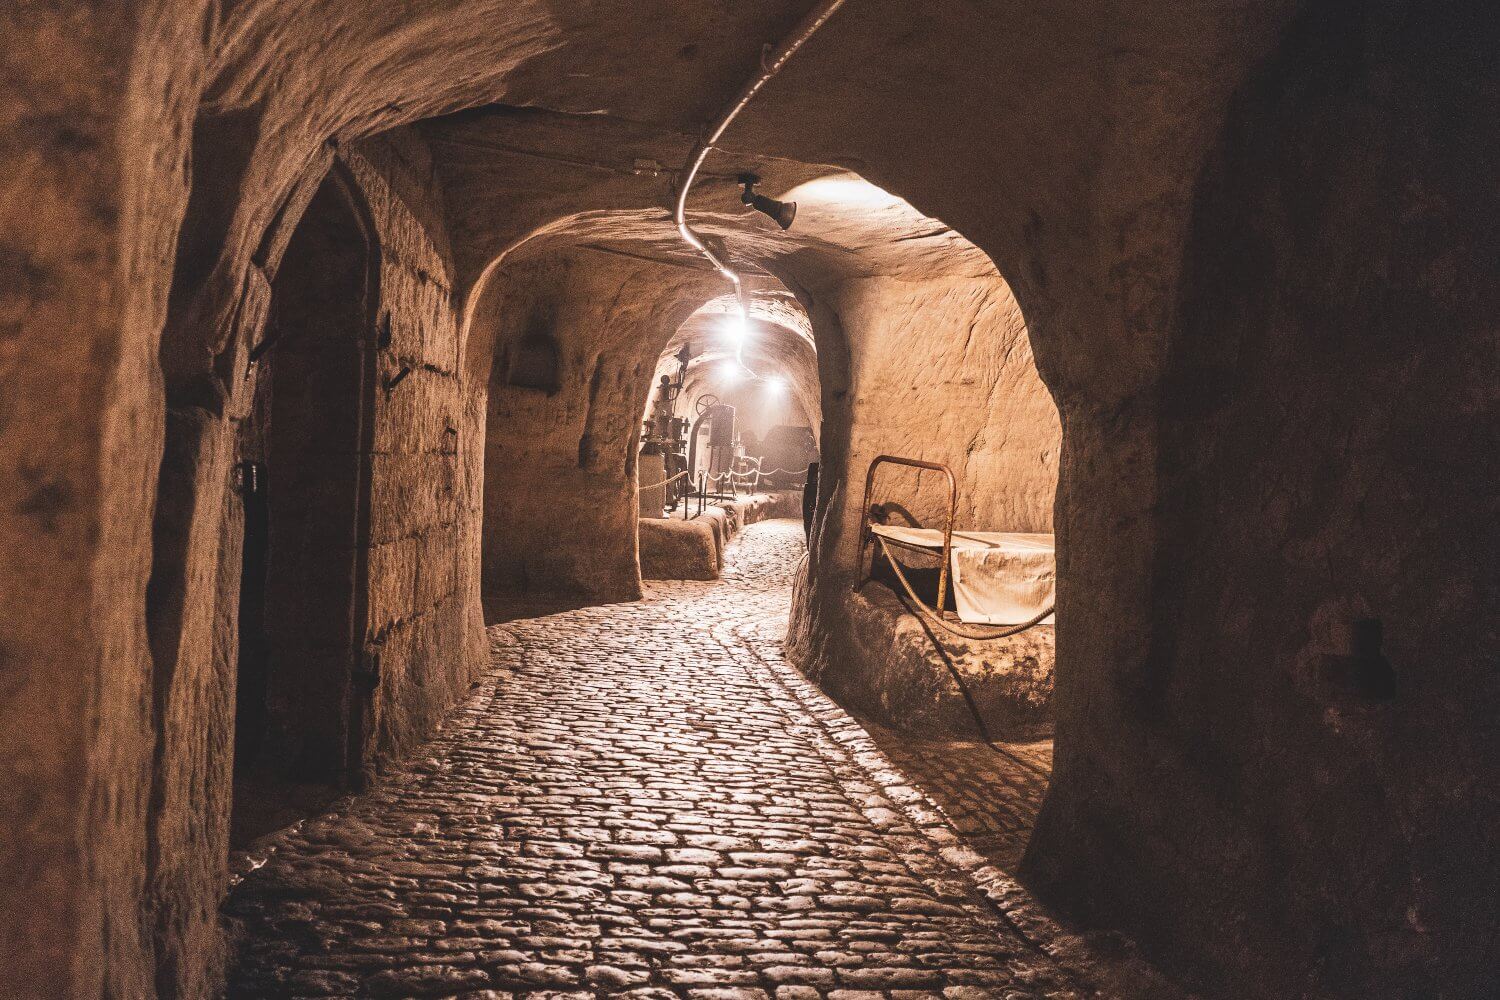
[{"x": 865, "y": 522}]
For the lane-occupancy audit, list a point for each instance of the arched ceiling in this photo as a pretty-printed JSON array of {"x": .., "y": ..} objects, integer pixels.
[
  {"x": 1064, "y": 138},
  {"x": 520, "y": 183},
  {"x": 777, "y": 346},
  {"x": 375, "y": 64},
  {"x": 772, "y": 309},
  {"x": 513, "y": 177}
]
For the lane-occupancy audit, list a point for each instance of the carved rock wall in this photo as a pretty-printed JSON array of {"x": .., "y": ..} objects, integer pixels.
[
  {"x": 1325, "y": 457},
  {"x": 427, "y": 464},
  {"x": 419, "y": 606},
  {"x": 560, "y": 485},
  {"x": 975, "y": 403},
  {"x": 93, "y": 184}
]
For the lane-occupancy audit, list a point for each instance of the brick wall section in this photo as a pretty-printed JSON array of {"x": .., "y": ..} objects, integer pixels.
[{"x": 423, "y": 615}]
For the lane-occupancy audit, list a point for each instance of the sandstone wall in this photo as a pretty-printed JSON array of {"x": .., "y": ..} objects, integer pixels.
[
  {"x": 427, "y": 462},
  {"x": 1326, "y": 455},
  {"x": 976, "y": 403},
  {"x": 92, "y": 184},
  {"x": 560, "y": 485},
  {"x": 974, "y": 400}
]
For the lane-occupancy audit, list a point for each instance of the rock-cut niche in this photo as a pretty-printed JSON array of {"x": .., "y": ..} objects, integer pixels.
[{"x": 534, "y": 363}]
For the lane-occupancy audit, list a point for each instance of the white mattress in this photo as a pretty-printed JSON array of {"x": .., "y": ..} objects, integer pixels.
[{"x": 999, "y": 577}]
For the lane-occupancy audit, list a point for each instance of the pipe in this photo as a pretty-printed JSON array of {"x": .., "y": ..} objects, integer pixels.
[{"x": 771, "y": 64}]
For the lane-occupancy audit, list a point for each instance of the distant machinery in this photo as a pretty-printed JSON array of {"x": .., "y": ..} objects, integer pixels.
[
  {"x": 719, "y": 418},
  {"x": 664, "y": 444}
]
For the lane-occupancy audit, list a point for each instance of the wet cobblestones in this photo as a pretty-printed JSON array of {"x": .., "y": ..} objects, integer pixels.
[{"x": 641, "y": 800}]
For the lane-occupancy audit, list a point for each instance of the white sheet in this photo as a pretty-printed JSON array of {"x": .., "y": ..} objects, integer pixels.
[{"x": 999, "y": 577}]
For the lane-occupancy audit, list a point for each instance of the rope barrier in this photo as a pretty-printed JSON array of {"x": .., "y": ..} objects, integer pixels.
[
  {"x": 664, "y": 482},
  {"x": 772, "y": 472},
  {"x": 937, "y": 618},
  {"x": 716, "y": 480},
  {"x": 762, "y": 472}
]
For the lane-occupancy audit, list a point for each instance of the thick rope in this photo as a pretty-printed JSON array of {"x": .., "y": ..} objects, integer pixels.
[
  {"x": 664, "y": 482},
  {"x": 933, "y": 615},
  {"x": 771, "y": 472},
  {"x": 718, "y": 480}
]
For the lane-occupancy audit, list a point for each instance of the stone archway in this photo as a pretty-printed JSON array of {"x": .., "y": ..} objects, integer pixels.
[
  {"x": 559, "y": 501},
  {"x": 304, "y": 677}
]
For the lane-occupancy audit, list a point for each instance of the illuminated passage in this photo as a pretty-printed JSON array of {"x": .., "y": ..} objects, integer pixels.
[{"x": 639, "y": 799}]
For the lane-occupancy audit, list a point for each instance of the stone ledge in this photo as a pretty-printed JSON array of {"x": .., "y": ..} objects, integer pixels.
[
  {"x": 679, "y": 550},
  {"x": 693, "y": 549},
  {"x": 888, "y": 669}
]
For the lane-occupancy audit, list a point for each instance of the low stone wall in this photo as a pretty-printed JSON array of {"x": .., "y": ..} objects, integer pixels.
[
  {"x": 693, "y": 549},
  {"x": 889, "y": 668},
  {"x": 761, "y": 507},
  {"x": 678, "y": 550}
]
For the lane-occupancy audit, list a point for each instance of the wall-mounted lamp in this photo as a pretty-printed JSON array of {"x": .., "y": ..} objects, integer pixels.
[{"x": 783, "y": 212}]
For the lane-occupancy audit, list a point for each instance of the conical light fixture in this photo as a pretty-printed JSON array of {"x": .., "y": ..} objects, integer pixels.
[{"x": 782, "y": 212}]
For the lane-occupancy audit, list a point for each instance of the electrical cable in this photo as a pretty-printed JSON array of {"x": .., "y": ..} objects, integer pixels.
[{"x": 771, "y": 63}]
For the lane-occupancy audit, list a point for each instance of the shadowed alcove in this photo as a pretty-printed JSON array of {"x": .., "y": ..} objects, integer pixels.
[{"x": 304, "y": 674}]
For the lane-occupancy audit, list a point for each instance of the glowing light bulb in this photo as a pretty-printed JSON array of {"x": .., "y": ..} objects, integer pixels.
[
  {"x": 729, "y": 372},
  {"x": 736, "y": 328},
  {"x": 775, "y": 384}
]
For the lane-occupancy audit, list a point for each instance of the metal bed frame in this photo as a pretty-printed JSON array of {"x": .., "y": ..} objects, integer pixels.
[{"x": 865, "y": 533}]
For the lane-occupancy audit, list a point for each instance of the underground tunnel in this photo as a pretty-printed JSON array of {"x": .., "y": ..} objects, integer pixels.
[{"x": 764, "y": 501}]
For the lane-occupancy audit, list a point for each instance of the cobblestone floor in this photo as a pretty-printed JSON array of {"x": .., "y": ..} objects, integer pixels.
[
  {"x": 990, "y": 794},
  {"x": 641, "y": 800}
]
